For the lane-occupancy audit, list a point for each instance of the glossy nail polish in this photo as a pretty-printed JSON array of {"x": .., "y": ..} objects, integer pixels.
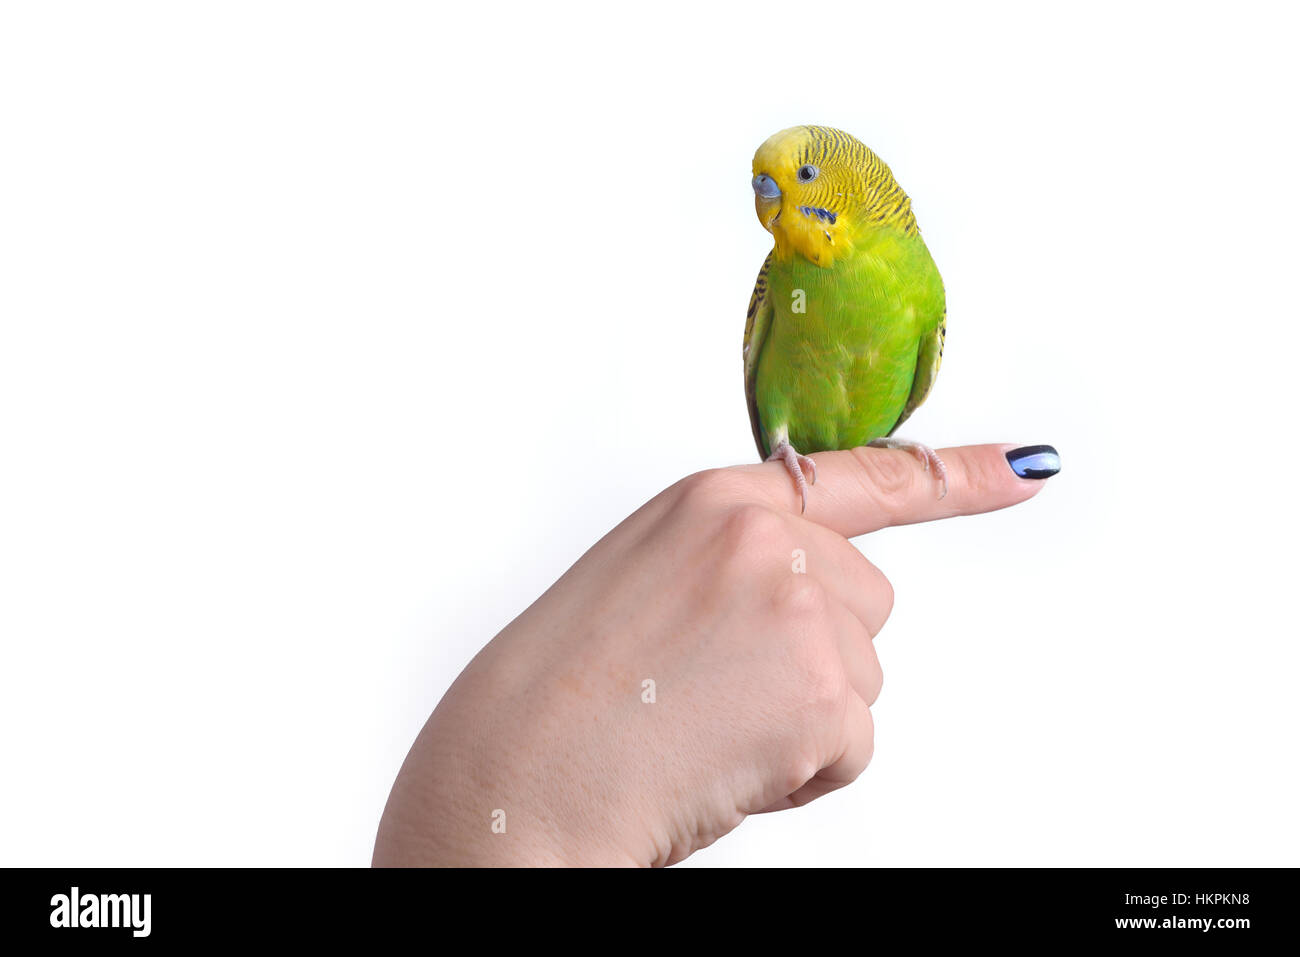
[{"x": 1034, "y": 461}]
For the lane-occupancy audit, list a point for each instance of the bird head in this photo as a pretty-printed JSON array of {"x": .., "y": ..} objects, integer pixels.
[{"x": 816, "y": 189}]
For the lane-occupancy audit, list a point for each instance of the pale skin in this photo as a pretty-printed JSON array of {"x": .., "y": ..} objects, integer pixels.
[{"x": 763, "y": 674}]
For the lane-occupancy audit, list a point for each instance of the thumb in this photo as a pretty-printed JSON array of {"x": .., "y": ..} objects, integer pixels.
[{"x": 865, "y": 489}]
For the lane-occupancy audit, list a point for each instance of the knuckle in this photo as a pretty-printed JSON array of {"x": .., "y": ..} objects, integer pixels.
[
  {"x": 713, "y": 489},
  {"x": 748, "y": 533},
  {"x": 799, "y": 597},
  {"x": 824, "y": 682},
  {"x": 749, "y": 521},
  {"x": 799, "y": 772},
  {"x": 886, "y": 598},
  {"x": 887, "y": 475},
  {"x": 819, "y": 673},
  {"x": 877, "y": 682},
  {"x": 703, "y": 490},
  {"x": 869, "y": 733}
]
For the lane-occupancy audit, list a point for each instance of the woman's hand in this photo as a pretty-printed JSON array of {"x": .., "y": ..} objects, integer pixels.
[{"x": 709, "y": 658}]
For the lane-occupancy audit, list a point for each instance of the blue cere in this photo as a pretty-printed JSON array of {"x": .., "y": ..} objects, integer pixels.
[
  {"x": 1034, "y": 461},
  {"x": 765, "y": 186}
]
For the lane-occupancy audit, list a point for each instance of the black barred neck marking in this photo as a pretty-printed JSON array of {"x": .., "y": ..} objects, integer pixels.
[{"x": 882, "y": 200}]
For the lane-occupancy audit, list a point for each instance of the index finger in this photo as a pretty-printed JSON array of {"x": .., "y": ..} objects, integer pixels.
[{"x": 864, "y": 489}]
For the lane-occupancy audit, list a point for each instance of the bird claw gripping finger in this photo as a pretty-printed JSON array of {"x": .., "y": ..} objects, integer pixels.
[
  {"x": 797, "y": 465},
  {"x": 927, "y": 456}
]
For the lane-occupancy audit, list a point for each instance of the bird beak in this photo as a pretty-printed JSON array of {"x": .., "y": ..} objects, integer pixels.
[
  {"x": 765, "y": 187},
  {"x": 767, "y": 200}
]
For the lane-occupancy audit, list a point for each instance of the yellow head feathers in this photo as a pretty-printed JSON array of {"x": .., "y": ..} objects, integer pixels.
[{"x": 816, "y": 190}]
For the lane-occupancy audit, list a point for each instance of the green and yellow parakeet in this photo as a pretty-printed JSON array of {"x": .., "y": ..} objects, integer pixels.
[{"x": 845, "y": 328}]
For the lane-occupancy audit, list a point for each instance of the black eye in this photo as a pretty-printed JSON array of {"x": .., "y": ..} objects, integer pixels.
[{"x": 807, "y": 174}]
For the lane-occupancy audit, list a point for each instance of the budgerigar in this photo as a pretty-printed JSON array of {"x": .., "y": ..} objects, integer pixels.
[{"x": 845, "y": 328}]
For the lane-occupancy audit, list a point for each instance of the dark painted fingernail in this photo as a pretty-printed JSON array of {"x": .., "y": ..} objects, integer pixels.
[{"x": 1034, "y": 461}]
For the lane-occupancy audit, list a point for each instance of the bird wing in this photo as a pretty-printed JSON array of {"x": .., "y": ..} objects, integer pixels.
[
  {"x": 929, "y": 355},
  {"x": 757, "y": 321}
]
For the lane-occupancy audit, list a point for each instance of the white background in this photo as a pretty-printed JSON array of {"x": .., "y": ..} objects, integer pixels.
[{"x": 333, "y": 333}]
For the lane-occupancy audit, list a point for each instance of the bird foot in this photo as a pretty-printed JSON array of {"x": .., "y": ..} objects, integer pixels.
[
  {"x": 797, "y": 465},
  {"x": 928, "y": 457}
]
